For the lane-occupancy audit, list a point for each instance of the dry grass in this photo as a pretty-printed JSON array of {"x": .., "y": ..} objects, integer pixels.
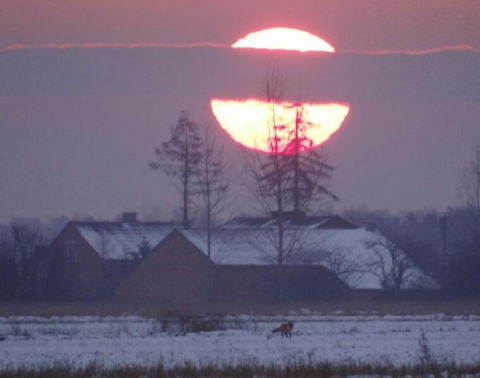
[{"x": 243, "y": 370}]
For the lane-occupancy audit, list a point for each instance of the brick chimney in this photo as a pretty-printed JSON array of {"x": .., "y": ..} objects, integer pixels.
[{"x": 129, "y": 217}]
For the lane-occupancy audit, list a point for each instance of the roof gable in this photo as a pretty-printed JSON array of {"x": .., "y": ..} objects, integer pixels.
[
  {"x": 312, "y": 246},
  {"x": 119, "y": 241},
  {"x": 192, "y": 238},
  {"x": 293, "y": 221}
]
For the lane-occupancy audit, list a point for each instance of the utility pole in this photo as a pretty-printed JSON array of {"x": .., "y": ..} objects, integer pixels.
[
  {"x": 443, "y": 226},
  {"x": 186, "y": 174}
]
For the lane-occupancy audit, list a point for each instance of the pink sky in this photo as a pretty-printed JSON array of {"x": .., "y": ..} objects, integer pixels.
[
  {"x": 78, "y": 126},
  {"x": 346, "y": 24}
]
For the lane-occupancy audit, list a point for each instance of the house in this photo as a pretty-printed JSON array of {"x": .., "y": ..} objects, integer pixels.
[
  {"x": 89, "y": 258},
  {"x": 178, "y": 272},
  {"x": 324, "y": 258},
  {"x": 362, "y": 257}
]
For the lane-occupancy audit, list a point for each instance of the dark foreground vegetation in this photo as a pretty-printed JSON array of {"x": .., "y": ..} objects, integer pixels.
[
  {"x": 244, "y": 370},
  {"x": 347, "y": 307}
]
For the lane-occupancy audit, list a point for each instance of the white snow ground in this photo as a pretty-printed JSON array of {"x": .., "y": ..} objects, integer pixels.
[{"x": 120, "y": 341}]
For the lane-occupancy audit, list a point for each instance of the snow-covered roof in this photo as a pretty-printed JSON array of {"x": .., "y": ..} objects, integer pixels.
[
  {"x": 292, "y": 220},
  {"x": 344, "y": 251},
  {"x": 119, "y": 241}
]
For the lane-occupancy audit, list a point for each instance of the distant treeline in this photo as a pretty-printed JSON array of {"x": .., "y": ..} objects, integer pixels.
[{"x": 445, "y": 244}]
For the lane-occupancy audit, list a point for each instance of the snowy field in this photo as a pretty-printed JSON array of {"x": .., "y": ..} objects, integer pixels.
[{"x": 37, "y": 342}]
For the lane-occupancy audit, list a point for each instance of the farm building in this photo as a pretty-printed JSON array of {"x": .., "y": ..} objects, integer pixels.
[{"x": 323, "y": 258}]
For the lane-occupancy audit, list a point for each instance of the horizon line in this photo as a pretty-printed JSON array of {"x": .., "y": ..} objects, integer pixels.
[{"x": 98, "y": 45}]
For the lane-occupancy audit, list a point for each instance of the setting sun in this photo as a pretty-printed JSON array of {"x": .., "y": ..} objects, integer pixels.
[
  {"x": 284, "y": 127},
  {"x": 249, "y": 122},
  {"x": 283, "y": 39}
]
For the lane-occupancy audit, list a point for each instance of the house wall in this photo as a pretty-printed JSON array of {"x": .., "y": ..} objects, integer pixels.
[
  {"x": 174, "y": 273},
  {"x": 115, "y": 271},
  {"x": 238, "y": 283},
  {"x": 405, "y": 295},
  {"x": 276, "y": 283},
  {"x": 77, "y": 269}
]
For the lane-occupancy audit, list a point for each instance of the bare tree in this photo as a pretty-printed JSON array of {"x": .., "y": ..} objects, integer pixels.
[
  {"x": 348, "y": 268},
  {"x": 469, "y": 185},
  {"x": 297, "y": 249},
  {"x": 9, "y": 285},
  {"x": 460, "y": 275},
  {"x": 212, "y": 181},
  {"x": 289, "y": 178},
  {"x": 269, "y": 184},
  {"x": 19, "y": 249},
  {"x": 416, "y": 232},
  {"x": 304, "y": 170},
  {"x": 391, "y": 265},
  {"x": 180, "y": 157}
]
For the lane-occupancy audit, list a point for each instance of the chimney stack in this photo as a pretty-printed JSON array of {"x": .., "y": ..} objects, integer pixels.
[{"x": 129, "y": 217}]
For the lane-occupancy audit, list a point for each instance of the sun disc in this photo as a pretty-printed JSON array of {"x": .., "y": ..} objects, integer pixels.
[
  {"x": 284, "y": 39},
  {"x": 249, "y": 122}
]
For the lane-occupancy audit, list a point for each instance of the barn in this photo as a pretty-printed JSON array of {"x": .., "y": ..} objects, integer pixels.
[{"x": 159, "y": 262}]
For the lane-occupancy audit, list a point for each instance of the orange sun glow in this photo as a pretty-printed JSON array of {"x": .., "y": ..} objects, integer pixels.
[
  {"x": 249, "y": 122},
  {"x": 284, "y": 39},
  {"x": 284, "y": 127}
]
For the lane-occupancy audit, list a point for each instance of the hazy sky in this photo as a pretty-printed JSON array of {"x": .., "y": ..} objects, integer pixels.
[
  {"x": 79, "y": 124},
  {"x": 346, "y": 24}
]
